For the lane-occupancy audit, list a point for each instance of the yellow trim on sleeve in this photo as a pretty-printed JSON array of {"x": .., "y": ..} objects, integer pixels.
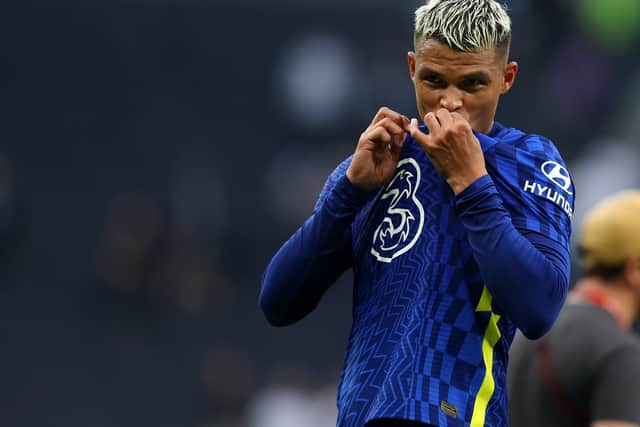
[{"x": 489, "y": 341}]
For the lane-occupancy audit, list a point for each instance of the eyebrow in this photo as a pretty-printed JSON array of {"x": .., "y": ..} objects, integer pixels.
[{"x": 475, "y": 75}]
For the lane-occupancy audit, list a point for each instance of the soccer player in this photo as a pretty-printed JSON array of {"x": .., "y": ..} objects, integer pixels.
[
  {"x": 586, "y": 371},
  {"x": 457, "y": 233}
]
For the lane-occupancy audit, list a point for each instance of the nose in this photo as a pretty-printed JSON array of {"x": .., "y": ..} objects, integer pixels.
[{"x": 451, "y": 100}]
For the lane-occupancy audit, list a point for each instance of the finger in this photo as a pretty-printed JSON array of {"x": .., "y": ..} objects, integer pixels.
[
  {"x": 390, "y": 126},
  {"x": 396, "y": 117},
  {"x": 460, "y": 123},
  {"x": 457, "y": 116},
  {"x": 432, "y": 123},
  {"x": 405, "y": 123},
  {"x": 445, "y": 118},
  {"x": 398, "y": 135},
  {"x": 396, "y": 148},
  {"x": 379, "y": 136},
  {"x": 384, "y": 112},
  {"x": 420, "y": 137}
]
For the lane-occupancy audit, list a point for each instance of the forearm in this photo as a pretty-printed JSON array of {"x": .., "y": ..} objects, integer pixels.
[
  {"x": 312, "y": 259},
  {"x": 527, "y": 276}
]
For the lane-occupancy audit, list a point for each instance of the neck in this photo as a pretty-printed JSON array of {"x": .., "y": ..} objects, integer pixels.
[{"x": 616, "y": 298}]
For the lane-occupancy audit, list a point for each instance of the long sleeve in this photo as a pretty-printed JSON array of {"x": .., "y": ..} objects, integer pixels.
[
  {"x": 526, "y": 272},
  {"x": 313, "y": 258}
]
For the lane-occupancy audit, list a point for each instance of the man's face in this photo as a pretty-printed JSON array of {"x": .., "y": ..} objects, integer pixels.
[{"x": 467, "y": 83}]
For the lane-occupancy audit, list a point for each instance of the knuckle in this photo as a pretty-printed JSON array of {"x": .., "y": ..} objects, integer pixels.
[
  {"x": 381, "y": 134},
  {"x": 364, "y": 136},
  {"x": 380, "y": 124},
  {"x": 459, "y": 128},
  {"x": 393, "y": 125},
  {"x": 390, "y": 124}
]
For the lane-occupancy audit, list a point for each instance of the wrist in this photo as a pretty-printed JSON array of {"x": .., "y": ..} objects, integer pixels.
[
  {"x": 355, "y": 182},
  {"x": 460, "y": 183}
]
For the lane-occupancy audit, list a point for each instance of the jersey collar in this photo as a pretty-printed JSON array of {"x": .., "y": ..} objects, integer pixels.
[{"x": 489, "y": 140}]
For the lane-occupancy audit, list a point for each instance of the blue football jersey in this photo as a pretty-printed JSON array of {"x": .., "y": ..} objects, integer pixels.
[{"x": 427, "y": 342}]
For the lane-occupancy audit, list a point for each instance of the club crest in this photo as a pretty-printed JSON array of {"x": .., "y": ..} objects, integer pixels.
[{"x": 402, "y": 224}]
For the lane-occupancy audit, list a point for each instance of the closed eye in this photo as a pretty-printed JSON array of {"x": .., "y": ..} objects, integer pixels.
[
  {"x": 472, "y": 84},
  {"x": 434, "y": 80}
]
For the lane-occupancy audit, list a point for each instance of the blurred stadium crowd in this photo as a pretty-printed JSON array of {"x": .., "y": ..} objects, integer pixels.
[{"x": 155, "y": 153}]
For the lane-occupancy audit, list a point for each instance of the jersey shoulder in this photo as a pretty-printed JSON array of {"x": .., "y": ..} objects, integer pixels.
[
  {"x": 534, "y": 144},
  {"x": 534, "y": 181}
]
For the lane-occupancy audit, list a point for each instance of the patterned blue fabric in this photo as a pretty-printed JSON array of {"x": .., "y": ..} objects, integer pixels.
[{"x": 416, "y": 345}]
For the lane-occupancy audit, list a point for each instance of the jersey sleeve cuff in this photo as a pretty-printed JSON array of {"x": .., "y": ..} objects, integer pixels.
[
  {"x": 482, "y": 185},
  {"x": 346, "y": 195},
  {"x": 480, "y": 204}
]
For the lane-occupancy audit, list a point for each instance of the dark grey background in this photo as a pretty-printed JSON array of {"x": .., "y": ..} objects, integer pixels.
[{"x": 154, "y": 154}]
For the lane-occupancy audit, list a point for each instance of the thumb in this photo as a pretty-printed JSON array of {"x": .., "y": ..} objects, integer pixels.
[{"x": 421, "y": 138}]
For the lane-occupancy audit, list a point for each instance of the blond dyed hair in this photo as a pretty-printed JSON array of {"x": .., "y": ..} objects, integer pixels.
[{"x": 464, "y": 25}]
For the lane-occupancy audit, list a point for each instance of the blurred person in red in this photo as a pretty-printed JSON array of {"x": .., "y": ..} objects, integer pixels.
[{"x": 586, "y": 371}]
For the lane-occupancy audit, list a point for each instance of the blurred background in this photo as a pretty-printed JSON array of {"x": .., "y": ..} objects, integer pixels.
[{"x": 154, "y": 154}]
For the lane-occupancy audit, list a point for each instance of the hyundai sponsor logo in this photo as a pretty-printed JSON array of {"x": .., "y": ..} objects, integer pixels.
[
  {"x": 558, "y": 174},
  {"x": 550, "y": 194}
]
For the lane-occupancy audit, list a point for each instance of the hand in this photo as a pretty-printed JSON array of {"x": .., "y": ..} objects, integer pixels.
[
  {"x": 376, "y": 157},
  {"x": 452, "y": 147}
]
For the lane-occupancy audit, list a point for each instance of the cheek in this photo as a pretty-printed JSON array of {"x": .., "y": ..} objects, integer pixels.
[
  {"x": 427, "y": 97},
  {"x": 480, "y": 112},
  {"x": 481, "y": 106}
]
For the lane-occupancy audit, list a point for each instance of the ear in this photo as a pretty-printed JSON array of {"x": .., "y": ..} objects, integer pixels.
[
  {"x": 510, "y": 72},
  {"x": 632, "y": 272},
  {"x": 411, "y": 60}
]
